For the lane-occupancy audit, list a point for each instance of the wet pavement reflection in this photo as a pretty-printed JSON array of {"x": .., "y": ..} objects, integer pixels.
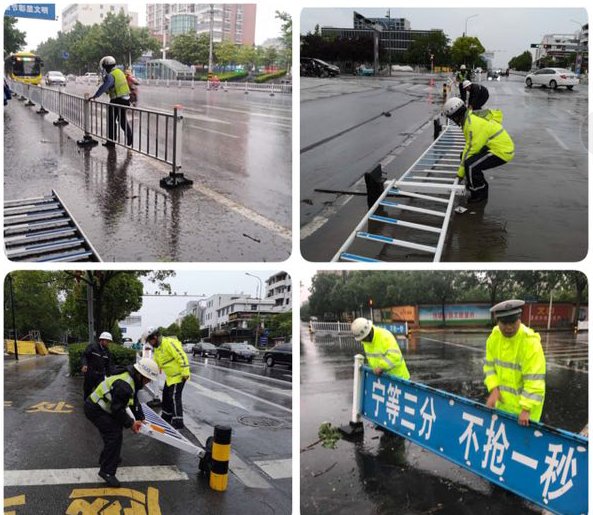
[{"x": 383, "y": 473}]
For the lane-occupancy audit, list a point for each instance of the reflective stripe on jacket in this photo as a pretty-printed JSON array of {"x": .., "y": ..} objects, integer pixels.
[
  {"x": 479, "y": 133},
  {"x": 517, "y": 366},
  {"x": 121, "y": 88},
  {"x": 384, "y": 353},
  {"x": 172, "y": 360},
  {"x": 102, "y": 394}
]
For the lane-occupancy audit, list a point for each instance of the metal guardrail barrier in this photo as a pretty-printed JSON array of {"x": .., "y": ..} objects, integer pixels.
[
  {"x": 545, "y": 465},
  {"x": 226, "y": 86},
  {"x": 329, "y": 327},
  {"x": 153, "y": 133}
]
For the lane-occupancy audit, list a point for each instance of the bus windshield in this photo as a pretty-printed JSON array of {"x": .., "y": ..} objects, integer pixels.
[{"x": 26, "y": 66}]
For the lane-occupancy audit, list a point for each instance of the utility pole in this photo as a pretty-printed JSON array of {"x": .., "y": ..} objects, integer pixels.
[
  {"x": 90, "y": 306},
  {"x": 210, "y": 50},
  {"x": 258, "y": 309},
  {"x": 16, "y": 345}
]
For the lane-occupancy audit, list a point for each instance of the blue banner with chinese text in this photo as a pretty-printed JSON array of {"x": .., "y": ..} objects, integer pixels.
[
  {"x": 39, "y": 11},
  {"x": 545, "y": 465}
]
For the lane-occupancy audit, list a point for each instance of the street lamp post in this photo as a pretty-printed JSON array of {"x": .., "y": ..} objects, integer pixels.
[
  {"x": 577, "y": 61},
  {"x": 466, "y": 20},
  {"x": 258, "y": 295},
  {"x": 210, "y": 50}
]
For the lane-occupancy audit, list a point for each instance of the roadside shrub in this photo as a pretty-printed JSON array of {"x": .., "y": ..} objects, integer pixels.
[
  {"x": 121, "y": 356},
  {"x": 269, "y": 76},
  {"x": 226, "y": 76}
]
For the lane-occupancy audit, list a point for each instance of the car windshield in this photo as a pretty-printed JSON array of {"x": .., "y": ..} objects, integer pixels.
[
  {"x": 55, "y": 74},
  {"x": 239, "y": 346},
  {"x": 322, "y": 62},
  {"x": 207, "y": 346},
  {"x": 562, "y": 70}
]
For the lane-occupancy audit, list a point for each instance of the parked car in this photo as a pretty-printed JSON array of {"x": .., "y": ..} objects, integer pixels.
[
  {"x": 363, "y": 71},
  {"x": 54, "y": 77},
  {"x": 552, "y": 77},
  {"x": 204, "y": 349},
  {"x": 281, "y": 354},
  {"x": 91, "y": 78},
  {"x": 311, "y": 67},
  {"x": 235, "y": 352},
  {"x": 187, "y": 347}
]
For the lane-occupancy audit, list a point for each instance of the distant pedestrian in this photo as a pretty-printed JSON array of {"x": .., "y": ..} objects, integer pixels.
[
  {"x": 462, "y": 75},
  {"x": 487, "y": 145},
  {"x": 116, "y": 86},
  {"x": 107, "y": 406},
  {"x": 515, "y": 365},
  {"x": 7, "y": 93},
  {"x": 97, "y": 363},
  {"x": 172, "y": 360},
  {"x": 478, "y": 94},
  {"x": 133, "y": 84},
  {"x": 381, "y": 349}
]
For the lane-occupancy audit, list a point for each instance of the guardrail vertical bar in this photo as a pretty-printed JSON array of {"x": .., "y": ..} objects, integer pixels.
[
  {"x": 175, "y": 178},
  {"x": 355, "y": 426},
  {"x": 29, "y": 101},
  {"x": 41, "y": 110},
  {"x": 87, "y": 140}
]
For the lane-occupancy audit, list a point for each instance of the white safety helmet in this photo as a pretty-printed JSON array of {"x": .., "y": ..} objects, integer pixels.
[
  {"x": 151, "y": 331},
  {"x": 361, "y": 328},
  {"x": 108, "y": 60},
  {"x": 106, "y": 336},
  {"x": 466, "y": 84},
  {"x": 452, "y": 105},
  {"x": 462, "y": 67},
  {"x": 148, "y": 368}
]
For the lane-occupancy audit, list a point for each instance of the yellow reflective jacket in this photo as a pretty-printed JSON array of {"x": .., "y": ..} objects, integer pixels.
[
  {"x": 489, "y": 114},
  {"x": 482, "y": 132},
  {"x": 172, "y": 360},
  {"x": 384, "y": 353},
  {"x": 517, "y": 366},
  {"x": 121, "y": 88}
]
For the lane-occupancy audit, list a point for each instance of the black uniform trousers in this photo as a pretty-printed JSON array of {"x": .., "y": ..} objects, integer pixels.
[
  {"x": 172, "y": 411},
  {"x": 117, "y": 112},
  {"x": 111, "y": 433},
  {"x": 474, "y": 172},
  {"x": 91, "y": 381}
]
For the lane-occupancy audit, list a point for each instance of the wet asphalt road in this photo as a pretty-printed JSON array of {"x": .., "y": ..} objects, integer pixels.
[
  {"x": 259, "y": 482},
  {"x": 537, "y": 210},
  {"x": 115, "y": 196},
  {"x": 381, "y": 474}
]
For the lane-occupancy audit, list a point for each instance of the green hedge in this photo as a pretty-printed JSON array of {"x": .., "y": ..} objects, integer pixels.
[
  {"x": 121, "y": 356},
  {"x": 226, "y": 76},
  {"x": 269, "y": 76}
]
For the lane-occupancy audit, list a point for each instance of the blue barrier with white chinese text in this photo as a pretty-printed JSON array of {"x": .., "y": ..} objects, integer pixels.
[
  {"x": 399, "y": 328},
  {"x": 39, "y": 11},
  {"x": 545, "y": 465}
]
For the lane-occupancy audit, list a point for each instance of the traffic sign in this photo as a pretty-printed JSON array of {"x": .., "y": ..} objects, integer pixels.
[
  {"x": 65, "y": 55},
  {"x": 39, "y": 11}
]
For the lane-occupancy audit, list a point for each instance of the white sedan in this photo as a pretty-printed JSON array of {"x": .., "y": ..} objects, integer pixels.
[{"x": 552, "y": 77}]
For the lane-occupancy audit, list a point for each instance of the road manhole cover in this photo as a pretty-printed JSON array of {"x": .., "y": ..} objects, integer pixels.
[{"x": 260, "y": 421}]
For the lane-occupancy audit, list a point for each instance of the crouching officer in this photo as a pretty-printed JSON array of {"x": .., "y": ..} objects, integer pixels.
[
  {"x": 478, "y": 94},
  {"x": 172, "y": 360},
  {"x": 96, "y": 363},
  {"x": 487, "y": 145},
  {"x": 515, "y": 365},
  {"x": 106, "y": 408},
  {"x": 381, "y": 349}
]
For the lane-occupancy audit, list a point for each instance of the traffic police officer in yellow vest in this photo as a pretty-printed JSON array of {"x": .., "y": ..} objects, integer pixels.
[
  {"x": 172, "y": 360},
  {"x": 106, "y": 407},
  {"x": 487, "y": 145},
  {"x": 381, "y": 349},
  {"x": 515, "y": 365},
  {"x": 115, "y": 84}
]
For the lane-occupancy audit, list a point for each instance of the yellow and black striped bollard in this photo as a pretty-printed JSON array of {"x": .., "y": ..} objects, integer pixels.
[{"x": 221, "y": 454}]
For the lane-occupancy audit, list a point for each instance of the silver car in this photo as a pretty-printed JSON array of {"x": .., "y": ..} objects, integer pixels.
[
  {"x": 55, "y": 78},
  {"x": 552, "y": 77}
]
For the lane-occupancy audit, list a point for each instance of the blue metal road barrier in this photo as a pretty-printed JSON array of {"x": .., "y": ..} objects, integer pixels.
[
  {"x": 400, "y": 328},
  {"x": 545, "y": 465}
]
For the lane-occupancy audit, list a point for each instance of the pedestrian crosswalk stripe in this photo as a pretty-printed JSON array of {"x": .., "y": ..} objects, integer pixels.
[{"x": 75, "y": 476}]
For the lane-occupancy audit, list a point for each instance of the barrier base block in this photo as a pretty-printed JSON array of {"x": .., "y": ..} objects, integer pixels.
[
  {"x": 175, "y": 180},
  {"x": 154, "y": 403},
  {"x": 87, "y": 141},
  {"x": 60, "y": 122},
  {"x": 29, "y": 103},
  {"x": 42, "y": 110},
  {"x": 352, "y": 430}
]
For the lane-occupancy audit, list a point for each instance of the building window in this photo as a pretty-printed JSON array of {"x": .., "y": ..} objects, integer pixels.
[{"x": 253, "y": 307}]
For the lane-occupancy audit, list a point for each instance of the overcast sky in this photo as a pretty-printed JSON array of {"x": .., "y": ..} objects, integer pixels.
[
  {"x": 163, "y": 310},
  {"x": 508, "y": 32},
  {"x": 266, "y": 25}
]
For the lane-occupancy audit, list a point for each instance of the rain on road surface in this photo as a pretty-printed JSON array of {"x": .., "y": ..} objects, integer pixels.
[
  {"x": 537, "y": 210},
  {"x": 254, "y": 401},
  {"x": 382, "y": 474}
]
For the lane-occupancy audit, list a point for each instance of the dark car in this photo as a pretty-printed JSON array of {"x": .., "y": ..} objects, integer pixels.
[
  {"x": 311, "y": 67},
  {"x": 235, "y": 352},
  {"x": 203, "y": 349},
  {"x": 281, "y": 354}
]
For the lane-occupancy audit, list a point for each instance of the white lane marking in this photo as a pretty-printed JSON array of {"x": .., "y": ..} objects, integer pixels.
[
  {"x": 266, "y": 223},
  {"x": 217, "y": 396},
  {"x": 250, "y": 113},
  {"x": 558, "y": 140},
  {"x": 213, "y": 131},
  {"x": 259, "y": 399},
  {"x": 249, "y": 477},
  {"x": 77, "y": 476},
  {"x": 203, "y": 118},
  {"x": 276, "y": 469},
  {"x": 524, "y": 460},
  {"x": 313, "y": 226},
  {"x": 549, "y": 363},
  {"x": 249, "y": 374}
]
